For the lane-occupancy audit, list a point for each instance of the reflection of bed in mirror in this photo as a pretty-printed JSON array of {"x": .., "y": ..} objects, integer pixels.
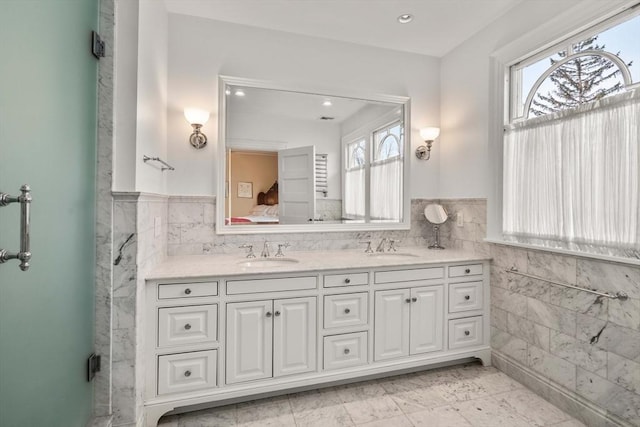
[{"x": 264, "y": 212}]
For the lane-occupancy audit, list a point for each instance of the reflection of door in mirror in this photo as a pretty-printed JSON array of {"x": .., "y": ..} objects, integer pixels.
[{"x": 296, "y": 175}]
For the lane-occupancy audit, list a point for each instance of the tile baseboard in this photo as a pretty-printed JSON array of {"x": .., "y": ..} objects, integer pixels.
[{"x": 570, "y": 402}]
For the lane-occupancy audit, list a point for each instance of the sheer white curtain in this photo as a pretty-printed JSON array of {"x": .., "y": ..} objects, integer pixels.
[
  {"x": 572, "y": 180},
  {"x": 354, "y": 189},
  {"x": 386, "y": 189}
]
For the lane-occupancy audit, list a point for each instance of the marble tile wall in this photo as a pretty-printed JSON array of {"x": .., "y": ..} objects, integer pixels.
[
  {"x": 191, "y": 231},
  {"x": 138, "y": 247},
  {"x": 585, "y": 347},
  {"x": 328, "y": 209},
  {"x": 104, "y": 215}
]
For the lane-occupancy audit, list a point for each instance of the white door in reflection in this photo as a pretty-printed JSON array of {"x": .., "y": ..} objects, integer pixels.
[{"x": 296, "y": 185}]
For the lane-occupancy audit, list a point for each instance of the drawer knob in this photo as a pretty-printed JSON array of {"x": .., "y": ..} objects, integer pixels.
[
  {"x": 347, "y": 280},
  {"x": 187, "y": 373},
  {"x": 277, "y": 313},
  {"x": 347, "y": 351},
  {"x": 467, "y": 270},
  {"x": 414, "y": 299},
  {"x": 268, "y": 314},
  {"x": 347, "y": 310},
  {"x": 187, "y": 291},
  {"x": 187, "y": 326},
  {"x": 467, "y": 297},
  {"x": 467, "y": 333},
  {"x": 408, "y": 300}
]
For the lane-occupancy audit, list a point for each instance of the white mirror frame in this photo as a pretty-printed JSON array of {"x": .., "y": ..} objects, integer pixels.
[{"x": 221, "y": 228}]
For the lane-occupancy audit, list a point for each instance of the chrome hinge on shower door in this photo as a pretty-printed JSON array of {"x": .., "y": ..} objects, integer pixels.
[{"x": 24, "y": 255}]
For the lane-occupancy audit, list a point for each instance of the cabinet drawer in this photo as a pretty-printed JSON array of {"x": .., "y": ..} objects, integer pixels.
[
  {"x": 465, "y": 296},
  {"x": 183, "y": 372},
  {"x": 465, "y": 270},
  {"x": 465, "y": 332},
  {"x": 345, "y": 310},
  {"x": 187, "y": 290},
  {"x": 407, "y": 275},
  {"x": 187, "y": 325},
  {"x": 235, "y": 287},
  {"x": 346, "y": 350},
  {"x": 333, "y": 280}
]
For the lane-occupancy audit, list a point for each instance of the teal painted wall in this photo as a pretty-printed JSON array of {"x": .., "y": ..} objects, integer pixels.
[{"x": 48, "y": 81}]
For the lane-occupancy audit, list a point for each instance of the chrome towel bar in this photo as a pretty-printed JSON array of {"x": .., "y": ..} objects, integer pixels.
[
  {"x": 24, "y": 255},
  {"x": 618, "y": 295},
  {"x": 166, "y": 166}
]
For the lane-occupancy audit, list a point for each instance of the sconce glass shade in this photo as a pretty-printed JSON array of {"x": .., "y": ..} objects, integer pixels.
[
  {"x": 429, "y": 134},
  {"x": 196, "y": 116}
]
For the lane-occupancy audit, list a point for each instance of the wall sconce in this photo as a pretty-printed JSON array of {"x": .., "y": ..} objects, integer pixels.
[
  {"x": 197, "y": 118},
  {"x": 423, "y": 152}
]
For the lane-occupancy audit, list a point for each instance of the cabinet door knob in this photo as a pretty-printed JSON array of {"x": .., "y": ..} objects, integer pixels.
[
  {"x": 467, "y": 333},
  {"x": 187, "y": 373},
  {"x": 277, "y": 313},
  {"x": 347, "y": 280},
  {"x": 347, "y": 351},
  {"x": 467, "y": 270},
  {"x": 467, "y": 297},
  {"x": 268, "y": 314},
  {"x": 414, "y": 299},
  {"x": 347, "y": 310},
  {"x": 187, "y": 326},
  {"x": 187, "y": 291},
  {"x": 408, "y": 300}
]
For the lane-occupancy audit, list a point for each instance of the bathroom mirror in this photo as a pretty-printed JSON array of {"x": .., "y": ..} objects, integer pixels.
[
  {"x": 436, "y": 215},
  {"x": 297, "y": 160}
]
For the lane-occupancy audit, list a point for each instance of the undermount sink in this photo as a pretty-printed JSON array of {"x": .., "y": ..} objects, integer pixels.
[
  {"x": 392, "y": 255},
  {"x": 267, "y": 262}
]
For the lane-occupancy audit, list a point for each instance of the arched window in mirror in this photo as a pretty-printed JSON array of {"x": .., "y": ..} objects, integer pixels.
[{"x": 388, "y": 142}]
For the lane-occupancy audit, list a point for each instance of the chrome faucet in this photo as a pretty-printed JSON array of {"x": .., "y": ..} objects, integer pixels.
[
  {"x": 249, "y": 249},
  {"x": 380, "y": 247},
  {"x": 392, "y": 245},
  {"x": 265, "y": 250},
  {"x": 280, "y": 246}
]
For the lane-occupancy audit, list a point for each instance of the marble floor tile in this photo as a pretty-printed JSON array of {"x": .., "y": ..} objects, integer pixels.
[
  {"x": 326, "y": 416},
  {"x": 489, "y": 412},
  {"x": 532, "y": 407},
  {"x": 373, "y": 409},
  {"x": 444, "y": 416},
  {"x": 497, "y": 382},
  {"x": 467, "y": 396},
  {"x": 570, "y": 423},
  {"x": 399, "y": 421}
]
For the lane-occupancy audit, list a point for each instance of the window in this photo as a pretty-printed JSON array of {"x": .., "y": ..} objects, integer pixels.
[
  {"x": 378, "y": 154},
  {"x": 571, "y": 148}
]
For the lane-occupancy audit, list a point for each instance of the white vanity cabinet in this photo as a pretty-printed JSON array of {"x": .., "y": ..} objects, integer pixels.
[
  {"x": 219, "y": 338},
  {"x": 270, "y": 338},
  {"x": 408, "y": 321}
]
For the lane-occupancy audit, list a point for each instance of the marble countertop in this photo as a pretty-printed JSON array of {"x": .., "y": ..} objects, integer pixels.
[{"x": 186, "y": 267}]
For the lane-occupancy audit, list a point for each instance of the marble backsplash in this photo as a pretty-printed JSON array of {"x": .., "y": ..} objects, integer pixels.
[{"x": 191, "y": 231}]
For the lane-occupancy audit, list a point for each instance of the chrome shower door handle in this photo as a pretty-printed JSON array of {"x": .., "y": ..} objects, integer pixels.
[{"x": 24, "y": 255}]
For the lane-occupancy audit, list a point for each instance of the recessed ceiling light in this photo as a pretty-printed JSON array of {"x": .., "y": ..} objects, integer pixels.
[
  {"x": 227, "y": 91},
  {"x": 327, "y": 103},
  {"x": 405, "y": 18},
  {"x": 239, "y": 92}
]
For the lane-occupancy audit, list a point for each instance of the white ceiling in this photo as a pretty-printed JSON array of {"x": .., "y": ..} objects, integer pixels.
[{"x": 437, "y": 28}]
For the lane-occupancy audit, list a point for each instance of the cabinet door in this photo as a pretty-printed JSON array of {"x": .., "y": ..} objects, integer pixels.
[
  {"x": 249, "y": 341},
  {"x": 391, "y": 338},
  {"x": 427, "y": 316},
  {"x": 294, "y": 336}
]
